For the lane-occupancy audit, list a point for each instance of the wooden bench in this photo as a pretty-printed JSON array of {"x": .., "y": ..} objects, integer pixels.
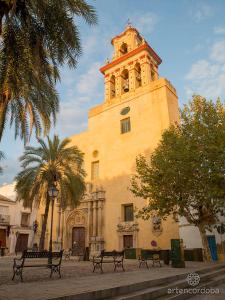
[
  {"x": 52, "y": 261},
  {"x": 114, "y": 257},
  {"x": 149, "y": 255}
]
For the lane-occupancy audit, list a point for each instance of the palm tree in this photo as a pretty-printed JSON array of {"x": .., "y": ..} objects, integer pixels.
[
  {"x": 54, "y": 162},
  {"x": 1, "y": 157},
  {"x": 36, "y": 38}
]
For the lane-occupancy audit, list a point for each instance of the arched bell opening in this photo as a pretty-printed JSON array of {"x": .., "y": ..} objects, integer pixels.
[
  {"x": 125, "y": 81},
  {"x": 112, "y": 87},
  {"x": 138, "y": 79},
  {"x": 123, "y": 49}
]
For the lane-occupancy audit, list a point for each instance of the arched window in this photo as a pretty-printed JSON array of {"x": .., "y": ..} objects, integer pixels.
[
  {"x": 125, "y": 81},
  {"x": 138, "y": 81},
  {"x": 123, "y": 49},
  {"x": 112, "y": 87}
]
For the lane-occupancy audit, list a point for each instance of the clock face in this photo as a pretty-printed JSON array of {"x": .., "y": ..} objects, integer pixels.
[{"x": 125, "y": 110}]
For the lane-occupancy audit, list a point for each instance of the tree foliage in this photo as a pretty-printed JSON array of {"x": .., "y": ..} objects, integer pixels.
[
  {"x": 36, "y": 38},
  {"x": 52, "y": 163},
  {"x": 186, "y": 172}
]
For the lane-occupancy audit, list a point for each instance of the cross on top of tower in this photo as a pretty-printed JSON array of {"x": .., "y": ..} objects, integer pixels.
[{"x": 128, "y": 24}]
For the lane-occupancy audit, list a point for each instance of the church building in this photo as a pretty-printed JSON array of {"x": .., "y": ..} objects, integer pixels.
[{"x": 138, "y": 106}]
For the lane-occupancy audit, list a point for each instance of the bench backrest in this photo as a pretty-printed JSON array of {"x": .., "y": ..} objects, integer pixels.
[
  {"x": 148, "y": 253},
  {"x": 41, "y": 254},
  {"x": 113, "y": 253}
]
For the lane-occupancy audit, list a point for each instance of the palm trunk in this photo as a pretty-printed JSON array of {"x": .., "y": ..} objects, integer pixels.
[
  {"x": 44, "y": 224},
  {"x": 206, "y": 250},
  {"x": 3, "y": 110}
]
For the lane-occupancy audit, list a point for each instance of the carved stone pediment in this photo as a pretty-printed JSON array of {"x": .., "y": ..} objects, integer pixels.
[
  {"x": 127, "y": 227},
  {"x": 77, "y": 217}
]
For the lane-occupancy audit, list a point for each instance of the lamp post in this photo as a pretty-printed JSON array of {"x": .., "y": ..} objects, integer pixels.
[
  {"x": 35, "y": 228},
  {"x": 53, "y": 193}
]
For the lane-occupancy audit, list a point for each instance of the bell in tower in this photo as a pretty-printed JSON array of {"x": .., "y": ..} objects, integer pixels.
[
  {"x": 123, "y": 49},
  {"x": 125, "y": 81},
  {"x": 126, "y": 86}
]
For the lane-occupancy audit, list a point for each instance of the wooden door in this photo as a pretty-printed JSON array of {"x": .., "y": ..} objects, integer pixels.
[
  {"x": 78, "y": 240},
  {"x": 2, "y": 238},
  {"x": 21, "y": 243},
  {"x": 127, "y": 241},
  {"x": 212, "y": 246}
]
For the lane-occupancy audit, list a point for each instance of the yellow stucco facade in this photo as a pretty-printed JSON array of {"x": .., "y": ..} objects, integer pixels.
[{"x": 138, "y": 106}]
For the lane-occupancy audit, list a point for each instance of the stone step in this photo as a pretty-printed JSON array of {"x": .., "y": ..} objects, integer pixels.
[
  {"x": 153, "y": 284},
  {"x": 209, "y": 284},
  {"x": 160, "y": 291},
  {"x": 149, "y": 289}
]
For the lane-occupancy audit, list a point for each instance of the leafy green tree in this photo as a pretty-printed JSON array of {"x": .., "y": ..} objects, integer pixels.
[
  {"x": 36, "y": 38},
  {"x": 186, "y": 172},
  {"x": 52, "y": 163}
]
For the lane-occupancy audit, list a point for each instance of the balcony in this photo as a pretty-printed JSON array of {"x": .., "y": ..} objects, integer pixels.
[{"x": 4, "y": 219}]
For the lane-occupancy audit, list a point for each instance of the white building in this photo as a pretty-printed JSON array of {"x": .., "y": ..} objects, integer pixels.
[
  {"x": 192, "y": 239},
  {"x": 16, "y": 222}
]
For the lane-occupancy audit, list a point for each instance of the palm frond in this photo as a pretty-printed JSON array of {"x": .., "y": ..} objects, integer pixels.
[
  {"x": 37, "y": 37},
  {"x": 52, "y": 162}
]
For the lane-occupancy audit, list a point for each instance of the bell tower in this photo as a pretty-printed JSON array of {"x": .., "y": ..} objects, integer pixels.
[{"x": 134, "y": 65}]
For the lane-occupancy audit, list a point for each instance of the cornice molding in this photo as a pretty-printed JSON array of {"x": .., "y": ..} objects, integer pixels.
[{"x": 130, "y": 54}]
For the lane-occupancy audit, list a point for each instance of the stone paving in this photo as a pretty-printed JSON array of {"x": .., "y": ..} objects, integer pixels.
[
  {"x": 220, "y": 296},
  {"x": 77, "y": 277},
  {"x": 72, "y": 268}
]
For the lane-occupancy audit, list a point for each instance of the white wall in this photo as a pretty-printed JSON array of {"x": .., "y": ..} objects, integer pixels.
[
  {"x": 15, "y": 211},
  {"x": 191, "y": 236}
]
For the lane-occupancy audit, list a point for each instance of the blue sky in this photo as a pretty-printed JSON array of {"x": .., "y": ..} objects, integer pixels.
[{"x": 188, "y": 35}]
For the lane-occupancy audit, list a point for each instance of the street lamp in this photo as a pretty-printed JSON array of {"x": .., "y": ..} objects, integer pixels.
[
  {"x": 53, "y": 193},
  {"x": 35, "y": 226}
]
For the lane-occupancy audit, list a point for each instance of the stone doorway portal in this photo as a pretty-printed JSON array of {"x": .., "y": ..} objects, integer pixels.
[
  {"x": 2, "y": 238},
  {"x": 21, "y": 243},
  {"x": 78, "y": 240},
  {"x": 127, "y": 241}
]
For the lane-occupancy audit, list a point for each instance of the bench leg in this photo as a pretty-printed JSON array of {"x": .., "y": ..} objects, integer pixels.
[
  {"x": 21, "y": 275},
  {"x": 123, "y": 267},
  {"x": 139, "y": 264},
  {"x": 118, "y": 264},
  {"x": 51, "y": 272},
  {"x": 154, "y": 262},
  {"x": 97, "y": 265},
  {"x": 18, "y": 272},
  {"x": 94, "y": 267},
  {"x": 55, "y": 269},
  {"x": 146, "y": 263},
  {"x": 14, "y": 273},
  {"x": 143, "y": 262},
  {"x": 115, "y": 265}
]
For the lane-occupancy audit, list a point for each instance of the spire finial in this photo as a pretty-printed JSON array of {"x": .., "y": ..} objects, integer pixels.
[{"x": 128, "y": 23}]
